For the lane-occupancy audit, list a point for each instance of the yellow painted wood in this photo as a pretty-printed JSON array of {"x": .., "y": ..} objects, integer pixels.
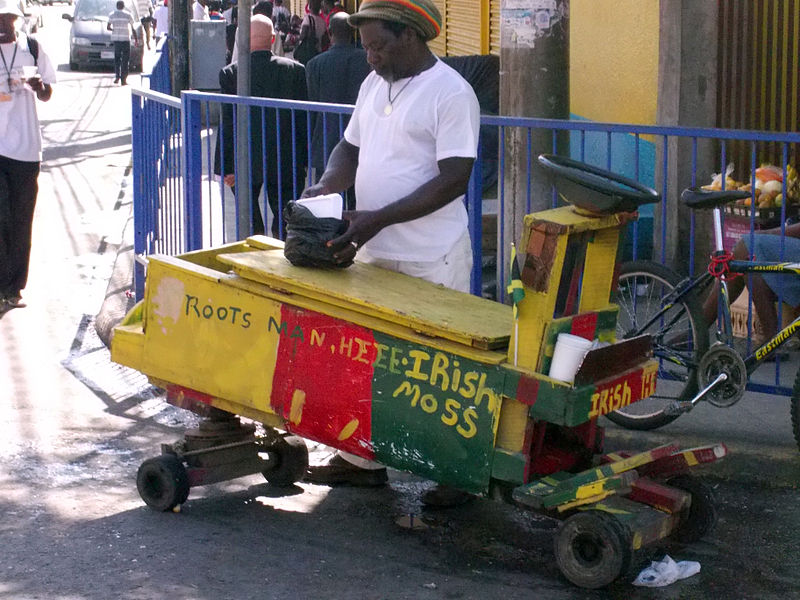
[
  {"x": 535, "y": 312},
  {"x": 536, "y": 309},
  {"x": 488, "y": 357},
  {"x": 128, "y": 345},
  {"x": 574, "y": 219},
  {"x": 512, "y": 425},
  {"x": 221, "y": 357},
  {"x": 431, "y": 309},
  {"x": 601, "y": 254}
]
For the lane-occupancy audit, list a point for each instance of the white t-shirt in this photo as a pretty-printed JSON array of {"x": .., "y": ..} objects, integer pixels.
[
  {"x": 199, "y": 12},
  {"x": 20, "y": 134},
  {"x": 436, "y": 116},
  {"x": 161, "y": 15}
]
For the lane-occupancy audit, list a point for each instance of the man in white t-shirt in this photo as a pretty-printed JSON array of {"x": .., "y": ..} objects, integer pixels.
[
  {"x": 409, "y": 148},
  {"x": 161, "y": 19},
  {"x": 200, "y": 11},
  {"x": 122, "y": 28},
  {"x": 20, "y": 149}
]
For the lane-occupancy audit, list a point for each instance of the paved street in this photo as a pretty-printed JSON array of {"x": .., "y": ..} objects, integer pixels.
[{"x": 76, "y": 427}]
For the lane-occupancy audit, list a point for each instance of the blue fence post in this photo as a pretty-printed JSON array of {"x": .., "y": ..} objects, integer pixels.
[
  {"x": 191, "y": 113},
  {"x": 139, "y": 210},
  {"x": 475, "y": 223}
]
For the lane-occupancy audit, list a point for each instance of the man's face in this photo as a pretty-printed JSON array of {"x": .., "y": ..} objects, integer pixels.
[
  {"x": 7, "y": 26},
  {"x": 385, "y": 50}
]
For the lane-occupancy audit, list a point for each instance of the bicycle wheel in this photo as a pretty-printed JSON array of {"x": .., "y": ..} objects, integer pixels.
[
  {"x": 680, "y": 338},
  {"x": 796, "y": 409}
]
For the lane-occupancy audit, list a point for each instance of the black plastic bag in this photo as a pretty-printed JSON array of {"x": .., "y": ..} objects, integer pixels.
[{"x": 306, "y": 237}]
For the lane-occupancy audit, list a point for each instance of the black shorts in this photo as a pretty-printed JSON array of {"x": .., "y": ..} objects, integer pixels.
[{"x": 146, "y": 20}]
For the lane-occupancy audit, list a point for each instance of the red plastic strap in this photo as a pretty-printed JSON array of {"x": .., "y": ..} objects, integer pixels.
[{"x": 719, "y": 266}]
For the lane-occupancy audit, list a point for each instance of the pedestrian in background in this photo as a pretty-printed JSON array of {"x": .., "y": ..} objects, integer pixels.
[
  {"x": 270, "y": 77},
  {"x": 20, "y": 149},
  {"x": 200, "y": 11},
  {"x": 146, "y": 18},
  {"x": 122, "y": 27},
  {"x": 335, "y": 76},
  {"x": 161, "y": 21}
]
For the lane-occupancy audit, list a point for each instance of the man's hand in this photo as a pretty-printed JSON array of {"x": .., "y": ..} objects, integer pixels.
[
  {"x": 314, "y": 190},
  {"x": 363, "y": 225},
  {"x": 230, "y": 179}
]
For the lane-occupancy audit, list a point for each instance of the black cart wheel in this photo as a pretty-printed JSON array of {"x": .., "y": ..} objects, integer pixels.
[
  {"x": 701, "y": 517},
  {"x": 593, "y": 548},
  {"x": 292, "y": 461},
  {"x": 162, "y": 482}
]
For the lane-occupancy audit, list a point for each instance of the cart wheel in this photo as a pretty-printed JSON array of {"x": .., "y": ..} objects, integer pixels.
[
  {"x": 162, "y": 482},
  {"x": 593, "y": 548},
  {"x": 702, "y": 515},
  {"x": 292, "y": 461}
]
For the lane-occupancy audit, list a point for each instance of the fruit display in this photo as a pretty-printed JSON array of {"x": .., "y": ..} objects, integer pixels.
[{"x": 768, "y": 183}]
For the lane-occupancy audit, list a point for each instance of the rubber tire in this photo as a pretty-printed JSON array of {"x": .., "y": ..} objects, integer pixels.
[
  {"x": 795, "y": 410},
  {"x": 73, "y": 66},
  {"x": 292, "y": 462},
  {"x": 162, "y": 482},
  {"x": 593, "y": 549},
  {"x": 702, "y": 515},
  {"x": 647, "y": 270}
]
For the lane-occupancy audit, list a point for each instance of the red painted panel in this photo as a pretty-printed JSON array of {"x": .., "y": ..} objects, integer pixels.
[
  {"x": 584, "y": 325},
  {"x": 527, "y": 389},
  {"x": 323, "y": 379}
]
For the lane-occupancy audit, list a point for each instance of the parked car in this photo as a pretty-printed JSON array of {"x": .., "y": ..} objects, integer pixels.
[{"x": 89, "y": 39}]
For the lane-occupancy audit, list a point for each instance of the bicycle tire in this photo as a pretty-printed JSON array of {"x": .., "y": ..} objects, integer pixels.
[
  {"x": 681, "y": 333},
  {"x": 795, "y": 410}
]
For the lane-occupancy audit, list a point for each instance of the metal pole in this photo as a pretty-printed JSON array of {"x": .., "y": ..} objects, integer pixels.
[
  {"x": 179, "y": 44},
  {"x": 243, "y": 190},
  {"x": 534, "y": 82}
]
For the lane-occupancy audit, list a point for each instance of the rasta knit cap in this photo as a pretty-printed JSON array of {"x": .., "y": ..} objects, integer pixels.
[{"x": 421, "y": 15}]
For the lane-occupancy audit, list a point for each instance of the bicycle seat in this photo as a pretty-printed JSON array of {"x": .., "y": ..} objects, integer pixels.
[
  {"x": 696, "y": 197},
  {"x": 594, "y": 189}
]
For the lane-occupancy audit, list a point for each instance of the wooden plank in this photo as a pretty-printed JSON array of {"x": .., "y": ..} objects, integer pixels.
[
  {"x": 430, "y": 309},
  {"x": 616, "y": 467},
  {"x": 681, "y": 461},
  {"x": 617, "y": 358}
]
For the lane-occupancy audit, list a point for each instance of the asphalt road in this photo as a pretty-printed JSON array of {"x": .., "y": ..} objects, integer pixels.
[{"x": 75, "y": 428}]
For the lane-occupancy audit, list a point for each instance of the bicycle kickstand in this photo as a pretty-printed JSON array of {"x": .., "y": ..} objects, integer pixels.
[{"x": 675, "y": 409}]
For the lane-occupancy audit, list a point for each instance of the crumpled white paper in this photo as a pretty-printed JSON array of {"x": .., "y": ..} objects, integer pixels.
[{"x": 666, "y": 571}]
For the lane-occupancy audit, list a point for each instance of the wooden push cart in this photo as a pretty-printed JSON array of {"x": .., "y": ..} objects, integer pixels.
[{"x": 422, "y": 379}]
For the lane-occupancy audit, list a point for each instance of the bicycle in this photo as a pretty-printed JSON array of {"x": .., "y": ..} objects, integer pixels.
[{"x": 655, "y": 300}]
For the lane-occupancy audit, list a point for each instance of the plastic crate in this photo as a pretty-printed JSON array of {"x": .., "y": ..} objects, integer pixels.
[{"x": 736, "y": 223}]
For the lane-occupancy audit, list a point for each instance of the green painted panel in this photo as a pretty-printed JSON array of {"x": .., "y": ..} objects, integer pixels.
[
  {"x": 550, "y": 403},
  {"x": 434, "y": 413},
  {"x": 509, "y": 466},
  {"x": 579, "y": 405}
]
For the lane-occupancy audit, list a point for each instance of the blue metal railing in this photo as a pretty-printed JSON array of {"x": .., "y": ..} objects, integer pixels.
[{"x": 182, "y": 205}]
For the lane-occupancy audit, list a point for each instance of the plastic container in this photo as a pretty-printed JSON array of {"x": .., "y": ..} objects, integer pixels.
[
  {"x": 328, "y": 206},
  {"x": 568, "y": 356}
]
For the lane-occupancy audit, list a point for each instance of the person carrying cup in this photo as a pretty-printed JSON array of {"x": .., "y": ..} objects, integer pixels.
[{"x": 26, "y": 74}]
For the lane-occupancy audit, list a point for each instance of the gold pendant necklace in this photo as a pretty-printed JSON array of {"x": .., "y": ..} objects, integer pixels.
[{"x": 387, "y": 110}]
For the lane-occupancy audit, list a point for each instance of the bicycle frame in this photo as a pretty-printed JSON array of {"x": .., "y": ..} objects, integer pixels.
[{"x": 724, "y": 327}]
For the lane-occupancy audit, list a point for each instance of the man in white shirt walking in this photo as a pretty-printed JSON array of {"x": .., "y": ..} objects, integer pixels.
[
  {"x": 122, "y": 27},
  {"x": 20, "y": 149}
]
